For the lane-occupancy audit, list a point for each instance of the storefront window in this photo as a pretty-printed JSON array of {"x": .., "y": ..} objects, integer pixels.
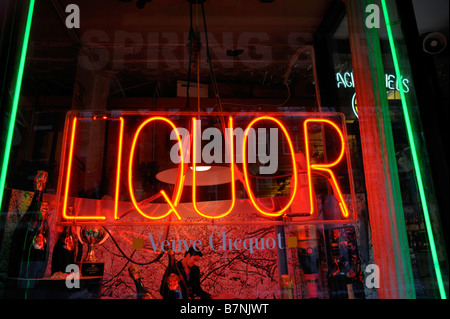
[
  {"x": 420, "y": 251},
  {"x": 264, "y": 150}
]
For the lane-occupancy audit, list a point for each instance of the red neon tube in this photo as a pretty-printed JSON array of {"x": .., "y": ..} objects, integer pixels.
[
  {"x": 244, "y": 165},
  {"x": 325, "y": 167},
  {"x": 69, "y": 171},
  {"x": 119, "y": 165},
  {"x": 194, "y": 165},
  {"x": 179, "y": 185}
]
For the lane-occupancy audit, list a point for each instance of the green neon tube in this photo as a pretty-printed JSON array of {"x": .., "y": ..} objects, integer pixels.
[
  {"x": 15, "y": 103},
  {"x": 417, "y": 168}
]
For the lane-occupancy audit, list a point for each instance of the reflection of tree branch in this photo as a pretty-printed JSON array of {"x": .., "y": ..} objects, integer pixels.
[
  {"x": 109, "y": 289},
  {"x": 261, "y": 232},
  {"x": 110, "y": 251},
  {"x": 120, "y": 271},
  {"x": 265, "y": 266},
  {"x": 215, "y": 283},
  {"x": 223, "y": 266}
]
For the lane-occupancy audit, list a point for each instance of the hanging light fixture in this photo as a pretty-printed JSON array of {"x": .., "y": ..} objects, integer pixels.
[{"x": 206, "y": 174}]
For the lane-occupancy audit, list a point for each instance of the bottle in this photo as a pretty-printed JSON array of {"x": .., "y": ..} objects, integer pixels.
[
  {"x": 307, "y": 243},
  {"x": 65, "y": 248},
  {"x": 287, "y": 287},
  {"x": 308, "y": 255},
  {"x": 173, "y": 285},
  {"x": 141, "y": 291},
  {"x": 29, "y": 244},
  {"x": 38, "y": 253}
]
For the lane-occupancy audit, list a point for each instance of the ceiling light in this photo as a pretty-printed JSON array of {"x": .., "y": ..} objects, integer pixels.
[
  {"x": 201, "y": 168},
  {"x": 214, "y": 175}
]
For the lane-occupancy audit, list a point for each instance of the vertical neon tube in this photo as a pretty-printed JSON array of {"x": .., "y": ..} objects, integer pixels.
[
  {"x": 68, "y": 176},
  {"x": 417, "y": 168},
  {"x": 15, "y": 104},
  {"x": 194, "y": 170},
  {"x": 119, "y": 166},
  {"x": 245, "y": 169},
  {"x": 179, "y": 186},
  {"x": 325, "y": 167}
]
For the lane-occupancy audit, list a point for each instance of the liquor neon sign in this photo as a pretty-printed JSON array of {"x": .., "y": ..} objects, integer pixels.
[{"x": 290, "y": 134}]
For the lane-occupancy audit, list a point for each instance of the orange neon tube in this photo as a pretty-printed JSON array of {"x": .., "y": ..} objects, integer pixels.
[
  {"x": 194, "y": 165},
  {"x": 119, "y": 165},
  {"x": 179, "y": 187},
  {"x": 244, "y": 165},
  {"x": 69, "y": 171},
  {"x": 325, "y": 167}
]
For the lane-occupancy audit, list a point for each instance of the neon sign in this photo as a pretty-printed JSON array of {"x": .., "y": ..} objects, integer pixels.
[
  {"x": 289, "y": 134},
  {"x": 194, "y": 174},
  {"x": 294, "y": 167},
  {"x": 179, "y": 187},
  {"x": 345, "y": 80}
]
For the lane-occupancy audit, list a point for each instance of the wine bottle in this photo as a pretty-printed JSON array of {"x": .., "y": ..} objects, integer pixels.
[
  {"x": 347, "y": 280},
  {"x": 308, "y": 254},
  {"x": 39, "y": 251},
  {"x": 287, "y": 287},
  {"x": 141, "y": 291},
  {"x": 29, "y": 244},
  {"x": 173, "y": 285},
  {"x": 64, "y": 249}
]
